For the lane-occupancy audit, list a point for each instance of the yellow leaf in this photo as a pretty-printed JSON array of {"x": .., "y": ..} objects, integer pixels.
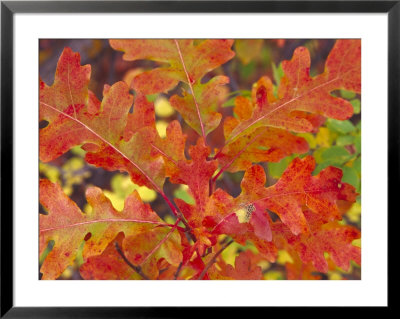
[
  {"x": 161, "y": 127},
  {"x": 163, "y": 108},
  {"x": 334, "y": 276},
  {"x": 354, "y": 213},
  {"x": 273, "y": 275},
  {"x": 324, "y": 137},
  {"x": 51, "y": 172},
  {"x": 116, "y": 201},
  {"x": 284, "y": 257},
  {"x": 146, "y": 194}
]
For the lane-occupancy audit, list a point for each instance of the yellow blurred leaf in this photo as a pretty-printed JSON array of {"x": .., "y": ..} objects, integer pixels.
[
  {"x": 354, "y": 213},
  {"x": 273, "y": 275},
  {"x": 161, "y": 127},
  {"x": 87, "y": 208},
  {"x": 163, "y": 108},
  {"x": 357, "y": 242},
  {"x": 334, "y": 276},
  {"x": 73, "y": 164},
  {"x": 324, "y": 137},
  {"x": 51, "y": 172},
  {"x": 146, "y": 194},
  {"x": 116, "y": 201},
  {"x": 229, "y": 254},
  {"x": 284, "y": 257}
]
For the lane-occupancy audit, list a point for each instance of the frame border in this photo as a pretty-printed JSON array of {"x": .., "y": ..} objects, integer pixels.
[{"x": 8, "y": 8}]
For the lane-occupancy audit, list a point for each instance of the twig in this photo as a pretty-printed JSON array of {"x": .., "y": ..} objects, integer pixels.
[
  {"x": 214, "y": 259},
  {"x": 178, "y": 271},
  {"x": 135, "y": 268}
]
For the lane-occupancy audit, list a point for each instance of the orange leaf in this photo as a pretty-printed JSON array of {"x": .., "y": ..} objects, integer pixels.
[
  {"x": 100, "y": 127},
  {"x": 69, "y": 227},
  {"x": 185, "y": 62},
  {"x": 300, "y": 92},
  {"x": 109, "y": 265},
  {"x": 332, "y": 237}
]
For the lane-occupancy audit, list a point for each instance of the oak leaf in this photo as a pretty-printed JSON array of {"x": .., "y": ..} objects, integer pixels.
[
  {"x": 301, "y": 104},
  {"x": 76, "y": 117},
  {"x": 69, "y": 227},
  {"x": 331, "y": 237},
  {"x": 186, "y": 61}
]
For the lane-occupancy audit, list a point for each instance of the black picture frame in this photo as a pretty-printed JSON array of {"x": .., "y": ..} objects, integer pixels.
[{"x": 9, "y": 8}]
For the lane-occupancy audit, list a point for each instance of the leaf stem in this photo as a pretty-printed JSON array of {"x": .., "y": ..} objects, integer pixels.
[
  {"x": 191, "y": 89},
  {"x": 115, "y": 220},
  {"x": 138, "y": 269},
  {"x": 214, "y": 259}
]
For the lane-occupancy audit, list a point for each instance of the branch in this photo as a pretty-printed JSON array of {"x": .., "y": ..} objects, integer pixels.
[
  {"x": 138, "y": 269},
  {"x": 214, "y": 259}
]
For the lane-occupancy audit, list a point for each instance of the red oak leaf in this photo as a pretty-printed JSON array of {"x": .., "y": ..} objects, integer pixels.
[
  {"x": 187, "y": 62},
  {"x": 298, "y": 95},
  {"x": 76, "y": 117},
  {"x": 198, "y": 182},
  {"x": 332, "y": 237},
  {"x": 69, "y": 227},
  {"x": 109, "y": 265}
]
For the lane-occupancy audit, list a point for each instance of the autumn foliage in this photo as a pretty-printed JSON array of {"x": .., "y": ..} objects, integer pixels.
[{"x": 300, "y": 214}]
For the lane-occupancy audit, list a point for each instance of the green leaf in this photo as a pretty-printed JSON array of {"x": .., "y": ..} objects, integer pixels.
[
  {"x": 356, "y": 105},
  {"x": 350, "y": 176},
  {"x": 345, "y": 140},
  {"x": 347, "y": 94},
  {"x": 357, "y": 165},
  {"x": 336, "y": 154},
  {"x": 342, "y": 127},
  {"x": 357, "y": 144},
  {"x": 182, "y": 193},
  {"x": 277, "y": 73},
  {"x": 276, "y": 169}
]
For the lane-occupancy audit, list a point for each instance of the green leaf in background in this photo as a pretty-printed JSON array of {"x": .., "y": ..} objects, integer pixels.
[
  {"x": 322, "y": 166},
  {"x": 247, "y": 70},
  {"x": 277, "y": 72},
  {"x": 347, "y": 94},
  {"x": 350, "y": 176},
  {"x": 182, "y": 193},
  {"x": 342, "y": 127},
  {"x": 152, "y": 97},
  {"x": 336, "y": 154},
  {"x": 275, "y": 170},
  {"x": 357, "y": 143},
  {"x": 356, "y": 105},
  {"x": 343, "y": 140},
  {"x": 357, "y": 165}
]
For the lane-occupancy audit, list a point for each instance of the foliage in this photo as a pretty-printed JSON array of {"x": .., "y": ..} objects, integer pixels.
[{"x": 171, "y": 128}]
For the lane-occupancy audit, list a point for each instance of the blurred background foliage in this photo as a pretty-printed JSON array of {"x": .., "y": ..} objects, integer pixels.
[{"x": 336, "y": 143}]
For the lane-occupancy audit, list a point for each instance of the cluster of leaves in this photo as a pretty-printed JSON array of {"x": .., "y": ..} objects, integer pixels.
[{"x": 281, "y": 123}]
